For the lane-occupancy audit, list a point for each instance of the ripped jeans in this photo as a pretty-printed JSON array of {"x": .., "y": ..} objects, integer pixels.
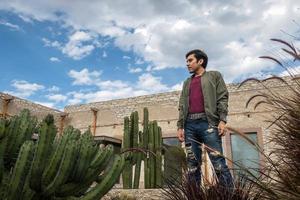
[{"x": 199, "y": 130}]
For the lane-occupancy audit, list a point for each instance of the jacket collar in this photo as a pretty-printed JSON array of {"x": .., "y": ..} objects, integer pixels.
[{"x": 193, "y": 75}]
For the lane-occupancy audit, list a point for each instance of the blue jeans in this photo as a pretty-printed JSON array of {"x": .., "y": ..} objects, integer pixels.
[{"x": 198, "y": 131}]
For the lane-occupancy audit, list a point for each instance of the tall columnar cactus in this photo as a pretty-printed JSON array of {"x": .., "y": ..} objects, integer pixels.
[
  {"x": 145, "y": 145},
  {"x": 137, "y": 170},
  {"x": 149, "y": 140},
  {"x": 127, "y": 143},
  {"x": 20, "y": 128},
  {"x": 44, "y": 144},
  {"x": 134, "y": 128},
  {"x": 151, "y": 148},
  {"x": 158, "y": 158},
  {"x": 55, "y": 167}
]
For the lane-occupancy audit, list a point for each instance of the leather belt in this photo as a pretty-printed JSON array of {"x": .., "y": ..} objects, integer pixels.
[{"x": 197, "y": 116}]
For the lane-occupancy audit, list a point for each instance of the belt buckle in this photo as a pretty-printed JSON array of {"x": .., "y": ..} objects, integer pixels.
[{"x": 197, "y": 116}]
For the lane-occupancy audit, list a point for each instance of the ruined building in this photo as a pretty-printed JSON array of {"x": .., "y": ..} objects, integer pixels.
[{"x": 106, "y": 118}]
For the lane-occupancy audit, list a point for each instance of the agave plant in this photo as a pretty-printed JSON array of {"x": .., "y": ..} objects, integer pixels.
[{"x": 187, "y": 188}]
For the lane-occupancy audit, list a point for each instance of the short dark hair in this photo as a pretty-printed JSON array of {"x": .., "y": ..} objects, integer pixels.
[{"x": 199, "y": 54}]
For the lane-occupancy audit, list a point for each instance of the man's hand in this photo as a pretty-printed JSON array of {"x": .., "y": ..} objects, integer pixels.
[
  {"x": 222, "y": 128},
  {"x": 180, "y": 134}
]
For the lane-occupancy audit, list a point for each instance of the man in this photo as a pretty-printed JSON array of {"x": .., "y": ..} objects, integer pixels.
[{"x": 202, "y": 116}]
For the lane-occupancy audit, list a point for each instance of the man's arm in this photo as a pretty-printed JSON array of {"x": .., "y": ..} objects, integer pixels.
[
  {"x": 180, "y": 117},
  {"x": 222, "y": 103},
  {"x": 222, "y": 98}
]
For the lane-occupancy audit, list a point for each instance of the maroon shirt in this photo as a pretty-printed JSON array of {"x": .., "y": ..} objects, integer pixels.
[{"x": 196, "y": 99}]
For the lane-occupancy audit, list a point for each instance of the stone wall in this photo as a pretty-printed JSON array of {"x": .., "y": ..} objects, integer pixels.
[
  {"x": 163, "y": 108},
  {"x": 16, "y": 104},
  {"x": 135, "y": 194}
]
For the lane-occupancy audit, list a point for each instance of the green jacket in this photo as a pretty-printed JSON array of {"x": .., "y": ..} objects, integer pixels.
[{"x": 215, "y": 98}]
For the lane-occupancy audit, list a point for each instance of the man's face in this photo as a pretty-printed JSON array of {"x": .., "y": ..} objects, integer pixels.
[{"x": 192, "y": 64}]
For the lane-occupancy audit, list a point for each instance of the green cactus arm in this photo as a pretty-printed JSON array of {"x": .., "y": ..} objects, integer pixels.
[
  {"x": 41, "y": 155},
  {"x": 108, "y": 181},
  {"x": 102, "y": 157},
  {"x": 3, "y": 143},
  {"x": 135, "y": 131},
  {"x": 75, "y": 135},
  {"x": 158, "y": 162},
  {"x": 137, "y": 171},
  {"x": 152, "y": 157},
  {"x": 27, "y": 192},
  {"x": 127, "y": 172},
  {"x": 82, "y": 162},
  {"x": 2, "y": 128},
  {"x": 110, "y": 176},
  {"x": 21, "y": 137},
  {"x": 145, "y": 144},
  {"x": 145, "y": 120},
  {"x": 131, "y": 129},
  {"x": 4, "y": 185},
  {"x": 54, "y": 162},
  {"x": 12, "y": 133},
  {"x": 20, "y": 170},
  {"x": 63, "y": 171},
  {"x": 87, "y": 152},
  {"x": 91, "y": 175},
  {"x": 126, "y": 135}
]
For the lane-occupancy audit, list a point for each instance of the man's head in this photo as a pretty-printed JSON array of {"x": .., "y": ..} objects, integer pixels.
[{"x": 195, "y": 59}]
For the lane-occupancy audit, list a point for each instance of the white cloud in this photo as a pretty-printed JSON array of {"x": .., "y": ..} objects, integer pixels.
[
  {"x": 48, "y": 43},
  {"x": 74, "y": 101},
  {"x": 126, "y": 57},
  {"x": 139, "y": 61},
  {"x": 77, "y": 47},
  {"x": 54, "y": 59},
  {"x": 152, "y": 83},
  {"x": 47, "y": 104},
  {"x": 116, "y": 89},
  {"x": 10, "y": 25},
  {"x": 293, "y": 71},
  {"x": 25, "y": 89},
  {"x": 177, "y": 87},
  {"x": 25, "y": 18},
  {"x": 276, "y": 10},
  {"x": 84, "y": 77},
  {"x": 135, "y": 70},
  {"x": 161, "y": 37},
  {"x": 53, "y": 89},
  {"x": 76, "y": 51},
  {"x": 111, "y": 85},
  {"x": 57, "y": 97},
  {"x": 80, "y": 36},
  {"x": 104, "y": 54}
]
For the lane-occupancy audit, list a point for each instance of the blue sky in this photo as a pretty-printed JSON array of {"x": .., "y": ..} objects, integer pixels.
[{"x": 58, "y": 53}]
